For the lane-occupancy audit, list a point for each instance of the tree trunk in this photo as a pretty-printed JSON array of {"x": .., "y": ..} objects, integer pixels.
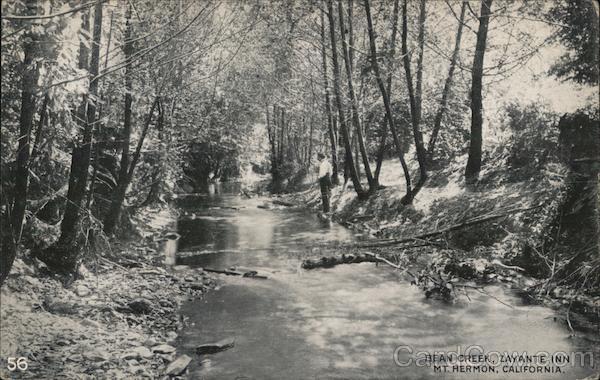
[
  {"x": 384, "y": 131},
  {"x": 29, "y": 86},
  {"x": 474, "y": 161},
  {"x": 447, "y": 86},
  {"x": 386, "y": 103},
  {"x": 64, "y": 255},
  {"x": 99, "y": 146},
  {"x": 112, "y": 216},
  {"x": 415, "y": 113},
  {"x": 338, "y": 97},
  {"x": 421, "y": 42},
  {"x": 12, "y": 221},
  {"x": 353, "y": 103}
]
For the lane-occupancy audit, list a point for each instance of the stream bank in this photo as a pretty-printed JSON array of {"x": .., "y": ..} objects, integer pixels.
[
  {"x": 480, "y": 233},
  {"x": 120, "y": 320}
]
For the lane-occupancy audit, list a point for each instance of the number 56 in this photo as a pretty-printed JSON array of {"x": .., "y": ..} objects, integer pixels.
[{"x": 14, "y": 363}]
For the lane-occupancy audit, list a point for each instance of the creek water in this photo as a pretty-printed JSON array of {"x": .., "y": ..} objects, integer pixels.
[{"x": 345, "y": 322}]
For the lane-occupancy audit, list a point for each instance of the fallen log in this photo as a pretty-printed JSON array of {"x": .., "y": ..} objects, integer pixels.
[
  {"x": 470, "y": 222},
  {"x": 329, "y": 262},
  {"x": 250, "y": 274},
  {"x": 282, "y": 203}
]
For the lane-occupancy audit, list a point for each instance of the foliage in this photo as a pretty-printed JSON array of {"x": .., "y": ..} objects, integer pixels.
[
  {"x": 533, "y": 140},
  {"x": 578, "y": 31}
]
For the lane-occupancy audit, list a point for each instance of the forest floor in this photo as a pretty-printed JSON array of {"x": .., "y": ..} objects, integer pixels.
[
  {"x": 119, "y": 321},
  {"x": 489, "y": 251}
]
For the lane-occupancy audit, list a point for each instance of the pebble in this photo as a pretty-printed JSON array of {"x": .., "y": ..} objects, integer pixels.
[
  {"x": 96, "y": 355},
  {"x": 163, "y": 349},
  {"x": 82, "y": 290},
  {"x": 178, "y": 366}
]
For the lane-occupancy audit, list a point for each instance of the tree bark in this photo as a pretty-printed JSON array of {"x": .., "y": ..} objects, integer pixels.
[
  {"x": 474, "y": 160},
  {"x": 384, "y": 131},
  {"x": 353, "y": 103},
  {"x": 437, "y": 123},
  {"x": 386, "y": 103},
  {"x": 99, "y": 146},
  {"x": 118, "y": 197},
  {"x": 112, "y": 217},
  {"x": 338, "y": 97},
  {"x": 414, "y": 109},
  {"x": 12, "y": 221},
  {"x": 421, "y": 42},
  {"x": 28, "y": 88},
  {"x": 64, "y": 256}
]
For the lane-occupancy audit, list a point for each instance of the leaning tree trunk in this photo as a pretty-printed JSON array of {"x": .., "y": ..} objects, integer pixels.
[
  {"x": 382, "y": 144},
  {"x": 386, "y": 102},
  {"x": 114, "y": 212},
  {"x": 437, "y": 123},
  {"x": 415, "y": 112},
  {"x": 64, "y": 256},
  {"x": 353, "y": 103},
  {"x": 338, "y": 97},
  {"x": 474, "y": 160}
]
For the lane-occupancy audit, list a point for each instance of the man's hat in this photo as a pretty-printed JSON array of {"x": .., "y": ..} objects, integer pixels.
[{"x": 320, "y": 156}]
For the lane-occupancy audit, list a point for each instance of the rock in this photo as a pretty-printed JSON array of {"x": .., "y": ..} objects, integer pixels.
[
  {"x": 138, "y": 352},
  {"x": 140, "y": 306},
  {"x": 59, "y": 307},
  {"x": 197, "y": 286},
  {"x": 213, "y": 348},
  {"x": 150, "y": 342},
  {"x": 82, "y": 290},
  {"x": 91, "y": 323},
  {"x": 171, "y": 336},
  {"x": 96, "y": 355},
  {"x": 178, "y": 366},
  {"x": 163, "y": 349}
]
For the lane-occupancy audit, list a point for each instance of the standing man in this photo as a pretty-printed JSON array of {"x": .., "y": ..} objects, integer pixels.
[{"x": 325, "y": 171}]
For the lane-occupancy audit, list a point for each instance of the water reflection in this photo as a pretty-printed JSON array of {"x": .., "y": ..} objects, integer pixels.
[{"x": 340, "y": 323}]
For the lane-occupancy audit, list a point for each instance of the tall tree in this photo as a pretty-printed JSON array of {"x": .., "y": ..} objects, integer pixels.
[
  {"x": 353, "y": 102},
  {"x": 474, "y": 160},
  {"x": 390, "y": 68},
  {"x": 386, "y": 102},
  {"x": 112, "y": 216},
  {"x": 421, "y": 43},
  {"x": 12, "y": 223},
  {"x": 338, "y": 97},
  {"x": 415, "y": 113},
  {"x": 437, "y": 123},
  {"x": 329, "y": 114},
  {"x": 64, "y": 256},
  {"x": 28, "y": 89}
]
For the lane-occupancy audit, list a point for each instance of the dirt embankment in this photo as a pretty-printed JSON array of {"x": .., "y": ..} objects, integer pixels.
[{"x": 119, "y": 321}]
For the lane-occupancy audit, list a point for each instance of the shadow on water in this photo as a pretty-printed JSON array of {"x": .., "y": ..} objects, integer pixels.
[{"x": 342, "y": 323}]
